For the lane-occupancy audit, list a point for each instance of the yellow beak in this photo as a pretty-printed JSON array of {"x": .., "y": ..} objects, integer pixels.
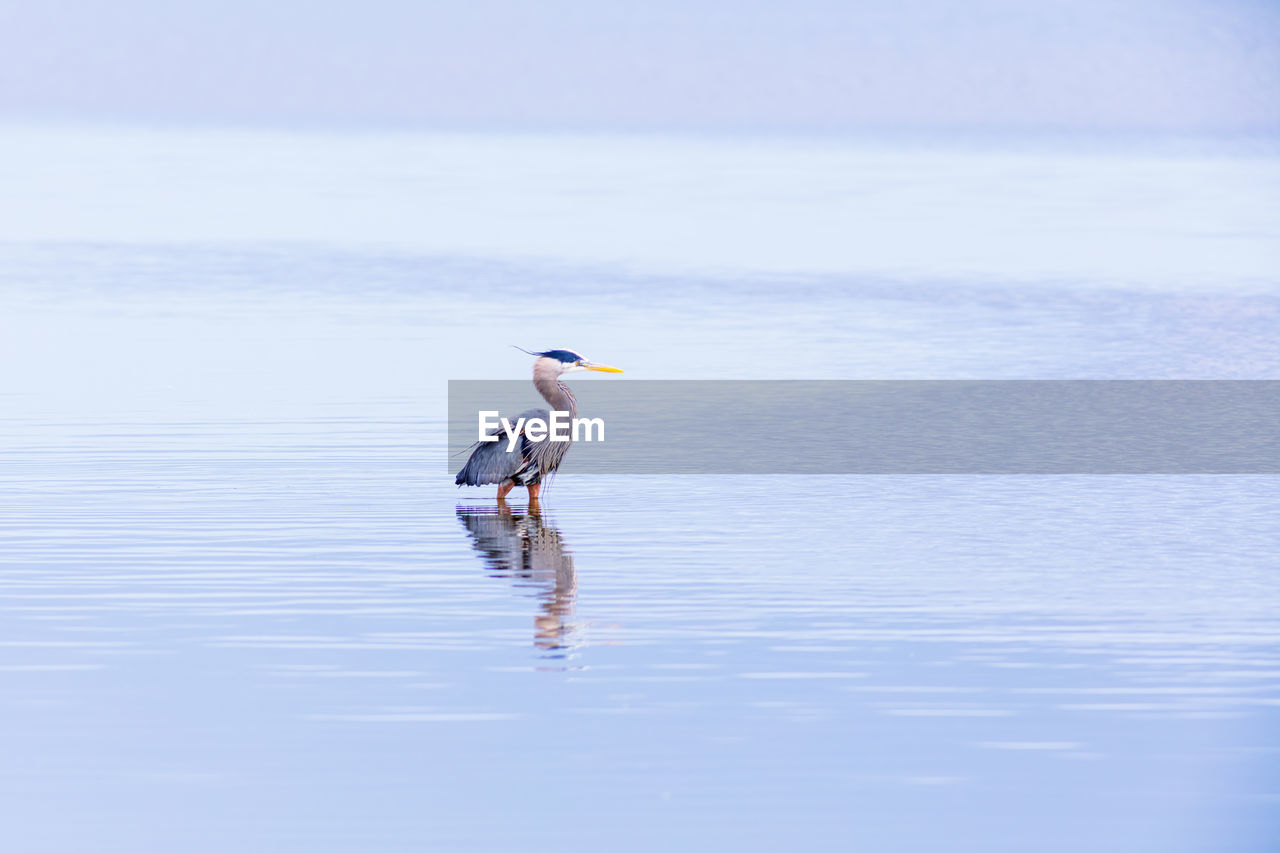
[{"x": 603, "y": 368}]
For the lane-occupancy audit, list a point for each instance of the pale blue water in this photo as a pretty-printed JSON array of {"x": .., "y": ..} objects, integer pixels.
[{"x": 242, "y": 607}]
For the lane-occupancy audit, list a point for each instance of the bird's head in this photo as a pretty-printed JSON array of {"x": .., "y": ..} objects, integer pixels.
[{"x": 558, "y": 361}]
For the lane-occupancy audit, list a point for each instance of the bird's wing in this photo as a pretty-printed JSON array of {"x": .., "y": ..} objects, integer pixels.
[{"x": 491, "y": 464}]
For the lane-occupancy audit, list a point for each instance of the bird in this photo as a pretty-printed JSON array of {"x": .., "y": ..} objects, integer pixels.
[{"x": 531, "y": 461}]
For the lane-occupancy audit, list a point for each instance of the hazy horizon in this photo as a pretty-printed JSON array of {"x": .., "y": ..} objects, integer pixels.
[{"x": 1183, "y": 67}]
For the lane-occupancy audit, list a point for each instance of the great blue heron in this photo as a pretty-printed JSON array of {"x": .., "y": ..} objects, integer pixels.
[{"x": 530, "y": 461}]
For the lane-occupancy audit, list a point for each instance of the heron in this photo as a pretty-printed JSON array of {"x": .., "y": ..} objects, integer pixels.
[{"x": 531, "y": 461}]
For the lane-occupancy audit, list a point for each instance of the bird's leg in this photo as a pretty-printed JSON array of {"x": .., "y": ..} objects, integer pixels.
[
  {"x": 534, "y": 488},
  {"x": 504, "y": 490}
]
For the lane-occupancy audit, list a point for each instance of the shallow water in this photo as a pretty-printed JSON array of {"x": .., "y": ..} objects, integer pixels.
[{"x": 243, "y": 608}]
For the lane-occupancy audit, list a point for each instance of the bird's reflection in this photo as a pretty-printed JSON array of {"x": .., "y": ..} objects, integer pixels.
[{"x": 529, "y": 551}]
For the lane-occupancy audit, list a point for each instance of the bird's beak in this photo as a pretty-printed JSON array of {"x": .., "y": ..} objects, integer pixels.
[{"x": 603, "y": 368}]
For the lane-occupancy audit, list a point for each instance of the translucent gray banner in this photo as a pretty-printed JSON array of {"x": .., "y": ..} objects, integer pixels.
[{"x": 902, "y": 427}]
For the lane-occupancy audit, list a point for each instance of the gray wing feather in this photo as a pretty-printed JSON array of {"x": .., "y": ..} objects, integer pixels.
[
  {"x": 490, "y": 463},
  {"x": 528, "y": 462}
]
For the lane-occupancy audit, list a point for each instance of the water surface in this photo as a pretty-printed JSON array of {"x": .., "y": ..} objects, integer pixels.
[{"x": 244, "y": 609}]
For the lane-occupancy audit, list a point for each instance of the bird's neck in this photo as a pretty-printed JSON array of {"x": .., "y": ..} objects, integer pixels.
[{"x": 556, "y": 394}]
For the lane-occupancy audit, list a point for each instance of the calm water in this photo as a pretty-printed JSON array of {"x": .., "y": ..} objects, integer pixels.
[{"x": 242, "y": 606}]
